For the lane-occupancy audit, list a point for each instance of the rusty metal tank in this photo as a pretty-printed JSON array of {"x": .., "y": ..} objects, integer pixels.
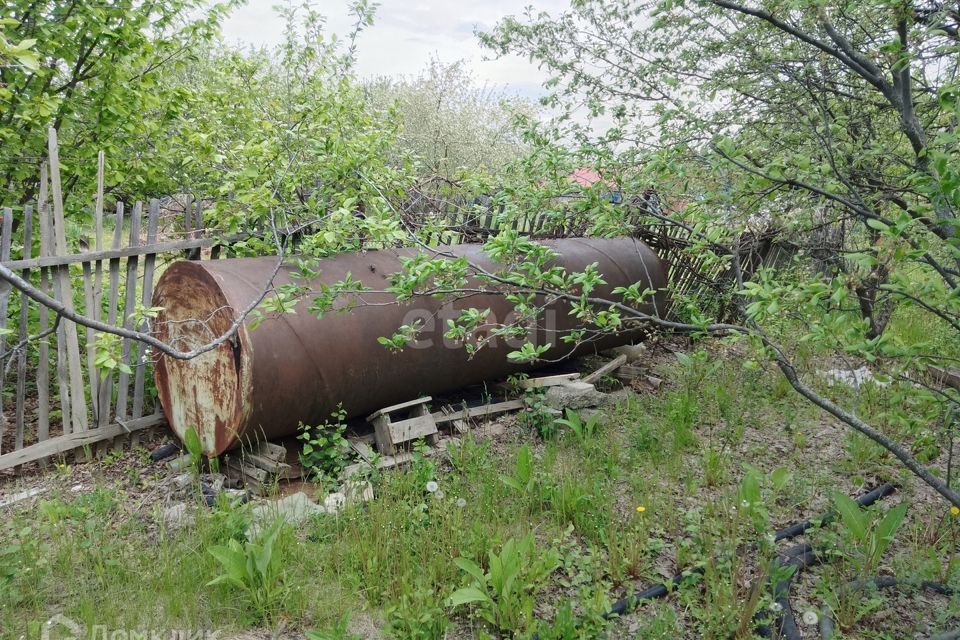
[{"x": 297, "y": 368}]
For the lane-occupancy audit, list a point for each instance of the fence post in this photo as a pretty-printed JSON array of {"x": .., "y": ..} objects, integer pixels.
[
  {"x": 24, "y": 317},
  {"x": 4, "y": 301}
]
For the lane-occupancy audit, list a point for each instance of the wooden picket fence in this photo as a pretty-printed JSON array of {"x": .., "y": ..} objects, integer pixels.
[{"x": 62, "y": 400}]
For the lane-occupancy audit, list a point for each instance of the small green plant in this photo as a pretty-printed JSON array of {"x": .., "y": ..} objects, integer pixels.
[
  {"x": 505, "y": 594},
  {"x": 522, "y": 480},
  {"x": 870, "y": 536},
  {"x": 337, "y": 631},
  {"x": 538, "y": 415},
  {"x": 22, "y": 556},
  {"x": 423, "y": 467},
  {"x": 584, "y": 430},
  {"x": 562, "y": 627},
  {"x": 417, "y": 616},
  {"x": 255, "y": 569},
  {"x": 325, "y": 449},
  {"x": 756, "y": 491},
  {"x": 191, "y": 440},
  {"x": 107, "y": 355}
]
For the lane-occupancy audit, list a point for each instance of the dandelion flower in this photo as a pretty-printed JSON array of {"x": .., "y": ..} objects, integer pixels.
[
  {"x": 776, "y": 607},
  {"x": 810, "y": 618},
  {"x": 461, "y": 503},
  {"x": 439, "y": 495},
  {"x": 432, "y": 486},
  {"x": 955, "y": 511},
  {"x": 641, "y": 509}
]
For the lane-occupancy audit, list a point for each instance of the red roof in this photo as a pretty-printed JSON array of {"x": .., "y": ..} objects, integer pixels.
[{"x": 587, "y": 177}]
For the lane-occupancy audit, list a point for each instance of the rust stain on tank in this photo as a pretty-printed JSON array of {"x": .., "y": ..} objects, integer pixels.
[{"x": 297, "y": 368}]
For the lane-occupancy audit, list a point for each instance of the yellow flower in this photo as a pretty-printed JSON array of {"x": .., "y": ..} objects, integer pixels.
[
  {"x": 955, "y": 511},
  {"x": 642, "y": 508}
]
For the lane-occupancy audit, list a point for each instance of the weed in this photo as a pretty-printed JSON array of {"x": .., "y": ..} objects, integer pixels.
[
  {"x": 562, "y": 627},
  {"x": 538, "y": 416},
  {"x": 861, "y": 541},
  {"x": 504, "y": 595},
  {"x": 417, "y": 616},
  {"x": 191, "y": 440},
  {"x": 756, "y": 491},
  {"x": 254, "y": 569},
  {"x": 582, "y": 429},
  {"x": 713, "y": 464},
  {"x": 325, "y": 450},
  {"x": 867, "y": 535},
  {"x": 423, "y": 468},
  {"x": 523, "y": 480},
  {"x": 336, "y": 631}
]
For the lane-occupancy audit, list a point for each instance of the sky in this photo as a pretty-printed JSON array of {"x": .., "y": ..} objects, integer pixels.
[{"x": 407, "y": 33}]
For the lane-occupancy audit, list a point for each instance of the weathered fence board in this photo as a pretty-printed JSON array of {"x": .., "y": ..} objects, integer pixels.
[
  {"x": 171, "y": 246},
  {"x": 147, "y": 297},
  {"x": 22, "y": 333},
  {"x": 78, "y": 409},
  {"x": 130, "y": 300},
  {"x": 70, "y": 442},
  {"x": 106, "y": 383},
  {"x": 43, "y": 367},
  {"x": 7, "y": 231}
]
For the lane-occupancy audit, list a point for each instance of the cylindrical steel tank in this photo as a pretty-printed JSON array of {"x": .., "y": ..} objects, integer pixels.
[{"x": 297, "y": 368}]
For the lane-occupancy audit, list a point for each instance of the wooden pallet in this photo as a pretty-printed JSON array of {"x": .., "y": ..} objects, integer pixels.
[{"x": 402, "y": 423}]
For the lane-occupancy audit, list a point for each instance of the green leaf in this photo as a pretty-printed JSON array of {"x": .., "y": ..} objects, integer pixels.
[
  {"x": 472, "y": 568},
  {"x": 510, "y": 482},
  {"x": 233, "y": 562},
  {"x": 780, "y": 477},
  {"x": 467, "y": 595},
  {"x": 853, "y": 518},
  {"x": 191, "y": 440},
  {"x": 886, "y": 530}
]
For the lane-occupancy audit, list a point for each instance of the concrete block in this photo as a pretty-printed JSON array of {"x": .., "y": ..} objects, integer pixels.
[{"x": 574, "y": 395}]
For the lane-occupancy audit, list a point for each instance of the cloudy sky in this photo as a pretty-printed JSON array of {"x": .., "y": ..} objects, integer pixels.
[{"x": 408, "y": 32}]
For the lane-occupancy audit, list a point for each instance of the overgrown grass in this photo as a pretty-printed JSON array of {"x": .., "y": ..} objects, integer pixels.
[{"x": 658, "y": 488}]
